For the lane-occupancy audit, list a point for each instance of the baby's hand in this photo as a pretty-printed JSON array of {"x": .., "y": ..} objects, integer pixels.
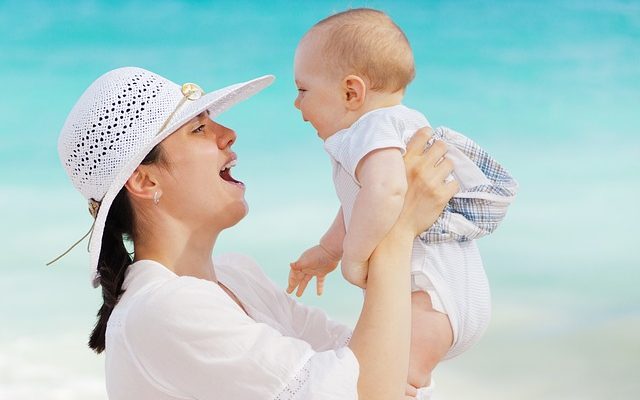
[{"x": 316, "y": 261}]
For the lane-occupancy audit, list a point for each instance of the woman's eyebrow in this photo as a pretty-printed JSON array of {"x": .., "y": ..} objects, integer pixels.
[{"x": 197, "y": 121}]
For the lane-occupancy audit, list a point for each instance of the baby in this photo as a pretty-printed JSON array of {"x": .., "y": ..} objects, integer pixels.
[{"x": 351, "y": 70}]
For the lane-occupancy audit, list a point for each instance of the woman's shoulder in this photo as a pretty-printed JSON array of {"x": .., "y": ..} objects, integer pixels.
[
  {"x": 246, "y": 278},
  {"x": 236, "y": 266},
  {"x": 237, "y": 261},
  {"x": 174, "y": 302}
]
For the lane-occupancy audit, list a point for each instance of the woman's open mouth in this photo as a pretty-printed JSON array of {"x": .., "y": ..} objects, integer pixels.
[{"x": 225, "y": 173}]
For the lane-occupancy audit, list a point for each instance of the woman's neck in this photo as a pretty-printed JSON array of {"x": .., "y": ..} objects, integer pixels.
[{"x": 182, "y": 250}]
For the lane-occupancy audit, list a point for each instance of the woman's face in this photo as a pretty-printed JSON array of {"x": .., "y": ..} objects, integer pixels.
[{"x": 197, "y": 188}]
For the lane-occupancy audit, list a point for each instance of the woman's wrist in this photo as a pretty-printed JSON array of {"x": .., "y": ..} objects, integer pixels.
[
  {"x": 402, "y": 232},
  {"x": 395, "y": 250}
]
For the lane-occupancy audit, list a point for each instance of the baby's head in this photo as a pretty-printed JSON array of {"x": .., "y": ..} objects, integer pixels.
[{"x": 348, "y": 64}]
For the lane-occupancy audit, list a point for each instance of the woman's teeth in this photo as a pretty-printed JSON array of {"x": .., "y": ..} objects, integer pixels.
[
  {"x": 225, "y": 172},
  {"x": 230, "y": 164}
]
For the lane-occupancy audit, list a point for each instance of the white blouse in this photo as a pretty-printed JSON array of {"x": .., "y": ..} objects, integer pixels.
[{"x": 179, "y": 337}]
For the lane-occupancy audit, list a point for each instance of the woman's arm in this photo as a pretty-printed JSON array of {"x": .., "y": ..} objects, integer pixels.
[{"x": 381, "y": 337}]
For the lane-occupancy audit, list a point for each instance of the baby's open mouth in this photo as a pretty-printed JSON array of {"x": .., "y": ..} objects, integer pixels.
[{"x": 225, "y": 172}]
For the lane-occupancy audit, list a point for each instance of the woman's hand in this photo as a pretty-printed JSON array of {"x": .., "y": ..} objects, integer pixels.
[{"x": 428, "y": 192}]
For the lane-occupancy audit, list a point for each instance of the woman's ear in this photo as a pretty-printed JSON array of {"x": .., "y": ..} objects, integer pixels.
[
  {"x": 142, "y": 184},
  {"x": 354, "y": 90}
]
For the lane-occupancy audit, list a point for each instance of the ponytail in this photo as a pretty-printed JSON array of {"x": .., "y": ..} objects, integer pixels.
[
  {"x": 112, "y": 265},
  {"x": 114, "y": 257}
]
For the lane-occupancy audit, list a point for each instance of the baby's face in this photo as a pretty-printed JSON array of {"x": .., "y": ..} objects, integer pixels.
[{"x": 320, "y": 98}]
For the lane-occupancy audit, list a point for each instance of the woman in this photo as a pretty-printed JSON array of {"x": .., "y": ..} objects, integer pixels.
[{"x": 175, "y": 324}]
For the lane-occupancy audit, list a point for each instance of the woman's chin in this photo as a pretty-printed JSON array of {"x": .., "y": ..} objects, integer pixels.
[
  {"x": 245, "y": 211},
  {"x": 235, "y": 214}
]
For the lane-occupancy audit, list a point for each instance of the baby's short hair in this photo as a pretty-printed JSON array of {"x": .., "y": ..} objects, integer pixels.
[{"x": 366, "y": 42}]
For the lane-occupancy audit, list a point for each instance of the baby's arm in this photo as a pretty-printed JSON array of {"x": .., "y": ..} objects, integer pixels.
[
  {"x": 318, "y": 260},
  {"x": 383, "y": 183},
  {"x": 332, "y": 240}
]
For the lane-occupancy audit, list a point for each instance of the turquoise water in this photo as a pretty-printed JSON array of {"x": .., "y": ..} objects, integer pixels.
[{"x": 551, "y": 88}]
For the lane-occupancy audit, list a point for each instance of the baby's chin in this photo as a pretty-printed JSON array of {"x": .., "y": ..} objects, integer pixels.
[{"x": 325, "y": 135}]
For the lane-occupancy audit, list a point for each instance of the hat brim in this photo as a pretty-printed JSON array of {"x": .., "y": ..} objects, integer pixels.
[{"x": 216, "y": 103}]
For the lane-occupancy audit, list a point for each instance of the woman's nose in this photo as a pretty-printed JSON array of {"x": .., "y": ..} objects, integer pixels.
[{"x": 226, "y": 137}]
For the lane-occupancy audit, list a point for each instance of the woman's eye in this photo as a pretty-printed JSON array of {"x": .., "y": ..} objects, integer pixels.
[{"x": 199, "y": 129}]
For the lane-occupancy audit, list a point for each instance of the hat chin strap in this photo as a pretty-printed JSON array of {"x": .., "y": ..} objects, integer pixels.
[
  {"x": 94, "y": 206},
  {"x": 75, "y": 244}
]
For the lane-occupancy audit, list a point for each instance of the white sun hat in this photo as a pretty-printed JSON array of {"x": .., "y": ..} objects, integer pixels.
[{"x": 118, "y": 120}]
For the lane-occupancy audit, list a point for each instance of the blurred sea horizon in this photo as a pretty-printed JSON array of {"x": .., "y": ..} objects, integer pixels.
[{"x": 549, "y": 88}]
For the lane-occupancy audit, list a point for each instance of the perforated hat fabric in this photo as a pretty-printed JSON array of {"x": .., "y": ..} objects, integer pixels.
[{"x": 117, "y": 121}]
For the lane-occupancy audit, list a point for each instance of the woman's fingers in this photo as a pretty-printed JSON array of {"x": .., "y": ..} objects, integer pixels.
[
  {"x": 429, "y": 183},
  {"x": 418, "y": 158},
  {"x": 418, "y": 142},
  {"x": 433, "y": 163},
  {"x": 443, "y": 169},
  {"x": 451, "y": 188},
  {"x": 435, "y": 153}
]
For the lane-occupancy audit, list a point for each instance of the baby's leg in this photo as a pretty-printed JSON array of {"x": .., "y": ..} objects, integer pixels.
[{"x": 431, "y": 339}]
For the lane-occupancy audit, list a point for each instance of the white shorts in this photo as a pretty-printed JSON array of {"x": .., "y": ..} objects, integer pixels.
[{"x": 453, "y": 276}]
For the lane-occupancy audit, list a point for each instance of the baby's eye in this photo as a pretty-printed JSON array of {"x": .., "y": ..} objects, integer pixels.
[{"x": 301, "y": 90}]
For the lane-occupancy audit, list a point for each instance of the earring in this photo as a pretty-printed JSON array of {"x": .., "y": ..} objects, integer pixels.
[{"x": 156, "y": 198}]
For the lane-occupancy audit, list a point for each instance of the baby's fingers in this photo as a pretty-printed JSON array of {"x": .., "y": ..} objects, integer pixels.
[
  {"x": 303, "y": 284},
  {"x": 294, "y": 280},
  {"x": 296, "y": 265},
  {"x": 320, "y": 285}
]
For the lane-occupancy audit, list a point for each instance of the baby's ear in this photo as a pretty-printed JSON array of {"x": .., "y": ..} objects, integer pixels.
[{"x": 354, "y": 90}]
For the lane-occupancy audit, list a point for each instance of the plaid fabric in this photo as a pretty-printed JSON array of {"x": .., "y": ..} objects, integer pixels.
[{"x": 476, "y": 211}]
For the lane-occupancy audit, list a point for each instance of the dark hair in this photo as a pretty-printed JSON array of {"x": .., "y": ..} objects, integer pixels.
[{"x": 114, "y": 257}]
